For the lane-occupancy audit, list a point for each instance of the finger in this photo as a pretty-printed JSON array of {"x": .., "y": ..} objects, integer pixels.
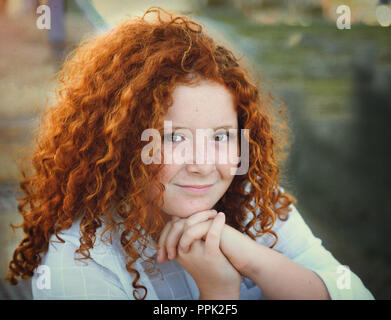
[
  {"x": 196, "y": 219},
  {"x": 195, "y": 232},
  {"x": 162, "y": 240},
  {"x": 212, "y": 242},
  {"x": 200, "y": 217},
  {"x": 162, "y": 252},
  {"x": 174, "y": 235},
  {"x": 197, "y": 249},
  {"x": 175, "y": 218},
  {"x": 173, "y": 238}
]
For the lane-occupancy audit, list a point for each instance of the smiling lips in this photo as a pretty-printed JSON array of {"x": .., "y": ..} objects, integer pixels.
[{"x": 195, "y": 188}]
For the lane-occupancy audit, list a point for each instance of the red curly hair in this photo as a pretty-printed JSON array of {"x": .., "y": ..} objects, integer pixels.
[{"x": 86, "y": 160}]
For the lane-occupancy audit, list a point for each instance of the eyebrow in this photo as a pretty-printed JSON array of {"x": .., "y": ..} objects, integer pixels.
[{"x": 221, "y": 127}]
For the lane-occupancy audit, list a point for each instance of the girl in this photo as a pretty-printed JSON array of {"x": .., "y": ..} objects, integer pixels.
[{"x": 105, "y": 220}]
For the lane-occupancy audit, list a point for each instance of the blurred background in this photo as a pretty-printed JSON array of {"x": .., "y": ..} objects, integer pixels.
[{"x": 335, "y": 82}]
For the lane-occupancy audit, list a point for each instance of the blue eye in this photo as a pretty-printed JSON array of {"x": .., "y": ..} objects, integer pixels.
[
  {"x": 175, "y": 138},
  {"x": 224, "y": 134},
  {"x": 170, "y": 137}
]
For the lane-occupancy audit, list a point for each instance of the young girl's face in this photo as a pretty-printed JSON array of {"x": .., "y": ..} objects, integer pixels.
[{"x": 210, "y": 106}]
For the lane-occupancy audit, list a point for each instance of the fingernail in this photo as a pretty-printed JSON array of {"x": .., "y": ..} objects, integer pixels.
[{"x": 169, "y": 256}]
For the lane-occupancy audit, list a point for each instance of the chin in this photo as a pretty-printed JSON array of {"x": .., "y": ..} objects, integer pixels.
[{"x": 188, "y": 209}]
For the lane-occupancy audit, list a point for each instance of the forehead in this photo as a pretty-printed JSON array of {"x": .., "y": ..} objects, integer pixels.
[{"x": 206, "y": 104}]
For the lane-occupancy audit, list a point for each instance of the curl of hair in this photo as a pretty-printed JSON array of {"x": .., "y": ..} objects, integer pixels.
[{"x": 86, "y": 160}]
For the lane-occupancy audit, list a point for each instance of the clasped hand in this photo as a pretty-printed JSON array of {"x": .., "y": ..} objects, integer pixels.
[{"x": 195, "y": 243}]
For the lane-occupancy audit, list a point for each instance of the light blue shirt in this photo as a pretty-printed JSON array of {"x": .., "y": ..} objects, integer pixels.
[{"x": 105, "y": 275}]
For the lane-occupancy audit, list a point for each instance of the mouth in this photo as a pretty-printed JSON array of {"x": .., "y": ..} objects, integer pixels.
[{"x": 196, "y": 188}]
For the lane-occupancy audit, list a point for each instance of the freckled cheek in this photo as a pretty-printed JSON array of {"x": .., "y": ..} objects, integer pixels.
[
  {"x": 228, "y": 153},
  {"x": 165, "y": 175},
  {"x": 225, "y": 171},
  {"x": 168, "y": 172},
  {"x": 229, "y": 164}
]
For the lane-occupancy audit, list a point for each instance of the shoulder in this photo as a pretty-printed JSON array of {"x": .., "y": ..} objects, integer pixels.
[
  {"x": 62, "y": 276},
  {"x": 297, "y": 242},
  {"x": 293, "y": 234}
]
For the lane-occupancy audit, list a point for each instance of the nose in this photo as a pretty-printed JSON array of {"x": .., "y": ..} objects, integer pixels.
[
  {"x": 203, "y": 158},
  {"x": 201, "y": 169}
]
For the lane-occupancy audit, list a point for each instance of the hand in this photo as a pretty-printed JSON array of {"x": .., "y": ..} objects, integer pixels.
[
  {"x": 237, "y": 247},
  {"x": 174, "y": 229},
  {"x": 216, "y": 278}
]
